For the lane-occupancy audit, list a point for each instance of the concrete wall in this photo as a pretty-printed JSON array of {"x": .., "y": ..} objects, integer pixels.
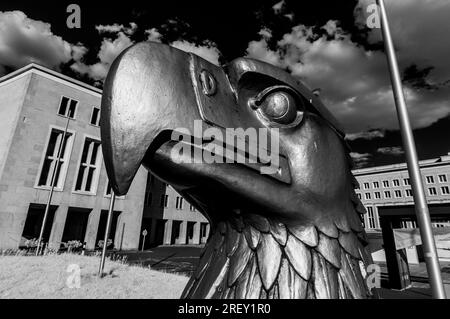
[
  {"x": 12, "y": 95},
  {"x": 23, "y": 162}
]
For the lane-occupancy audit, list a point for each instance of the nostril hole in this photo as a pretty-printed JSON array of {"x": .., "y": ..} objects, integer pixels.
[{"x": 209, "y": 83}]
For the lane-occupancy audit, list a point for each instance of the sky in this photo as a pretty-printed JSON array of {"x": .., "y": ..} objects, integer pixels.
[{"x": 326, "y": 44}]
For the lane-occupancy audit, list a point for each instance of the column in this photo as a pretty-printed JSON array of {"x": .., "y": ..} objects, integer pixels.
[
  {"x": 196, "y": 240},
  {"x": 183, "y": 233},
  {"x": 168, "y": 232},
  {"x": 59, "y": 222},
  {"x": 92, "y": 228}
]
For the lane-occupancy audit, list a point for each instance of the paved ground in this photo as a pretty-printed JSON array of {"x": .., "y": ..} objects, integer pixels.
[
  {"x": 174, "y": 259},
  {"x": 184, "y": 259}
]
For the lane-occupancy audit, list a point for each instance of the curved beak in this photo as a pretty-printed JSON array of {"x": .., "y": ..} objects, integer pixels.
[{"x": 147, "y": 92}]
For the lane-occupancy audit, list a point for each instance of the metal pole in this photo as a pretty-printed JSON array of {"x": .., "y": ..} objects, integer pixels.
[
  {"x": 421, "y": 207},
  {"x": 105, "y": 241},
  {"x": 52, "y": 187}
]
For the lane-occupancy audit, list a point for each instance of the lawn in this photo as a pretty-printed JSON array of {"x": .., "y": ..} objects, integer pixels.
[{"x": 55, "y": 277}]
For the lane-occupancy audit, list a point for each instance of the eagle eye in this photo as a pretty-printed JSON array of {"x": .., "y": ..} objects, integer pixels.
[{"x": 278, "y": 106}]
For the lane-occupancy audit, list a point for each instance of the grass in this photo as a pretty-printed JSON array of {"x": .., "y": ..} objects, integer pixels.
[{"x": 46, "y": 277}]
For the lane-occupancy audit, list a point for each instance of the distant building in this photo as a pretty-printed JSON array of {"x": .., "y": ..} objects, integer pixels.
[
  {"x": 170, "y": 219},
  {"x": 386, "y": 191},
  {"x": 35, "y": 105}
]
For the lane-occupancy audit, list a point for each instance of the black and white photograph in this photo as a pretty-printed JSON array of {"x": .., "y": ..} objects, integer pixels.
[{"x": 246, "y": 151}]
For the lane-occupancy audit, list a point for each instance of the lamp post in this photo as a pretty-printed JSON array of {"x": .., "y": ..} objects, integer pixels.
[
  {"x": 52, "y": 187},
  {"x": 421, "y": 207},
  {"x": 105, "y": 241}
]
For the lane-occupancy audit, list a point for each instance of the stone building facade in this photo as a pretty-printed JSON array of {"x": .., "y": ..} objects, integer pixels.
[{"x": 35, "y": 106}]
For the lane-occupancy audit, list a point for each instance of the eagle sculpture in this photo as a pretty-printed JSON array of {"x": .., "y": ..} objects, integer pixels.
[{"x": 294, "y": 233}]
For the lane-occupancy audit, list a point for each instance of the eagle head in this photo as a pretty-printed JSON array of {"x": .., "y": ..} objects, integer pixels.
[{"x": 258, "y": 154}]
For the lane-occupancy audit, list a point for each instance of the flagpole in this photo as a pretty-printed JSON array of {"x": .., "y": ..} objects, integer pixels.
[
  {"x": 52, "y": 187},
  {"x": 108, "y": 226},
  {"x": 421, "y": 207}
]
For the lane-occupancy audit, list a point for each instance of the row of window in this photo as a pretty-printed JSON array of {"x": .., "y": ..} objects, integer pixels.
[
  {"x": 432, "y": 191},
  {"x": 88, "y": 170},
  {"x": 164, "y": 202},
  {"x": 68, "y": 107},
  {"x": 406, "y": 182}
]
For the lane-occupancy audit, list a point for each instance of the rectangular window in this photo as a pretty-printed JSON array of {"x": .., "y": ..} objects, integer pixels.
[
  {"x": 367, "y": 195},
  {"x": 179, "y": 203},
  {"x": 51, "y": 159},
  {"x": 95, "y": 116},
  {"x": 109, "y": 190},
  {"x": 398, "y": 194},
  {"x": 430, "y": 180},
  {"x": 432, "y": 191},
  {"x": 385, "y": 184},
  {"x": 408, "y": 193},
  {"x": 445, "y": 190},
  {"x": 192, "y": 208},
  {"x": 396, "y": 182},
  {"x": 359, "y": 195},
  {"x": 67, "y": 107},
  {"x": 376, "y": 185},
  {"x": 371, "y": 218},
  {"x": 362, "y": 220},
  {"x": 406, "y": 182},
  {"x": 387, "y": 194},
  {"x": 377, "y": 195},
  {"x": 89, "y": 169},
  {"x": 443, "y": 178},
  {"x": 164, "y": 201},
  {"x": 366, "y": 185}
]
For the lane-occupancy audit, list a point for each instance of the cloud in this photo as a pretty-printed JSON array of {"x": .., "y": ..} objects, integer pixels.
[
  {"x": 395, "y": 151},
  {"x": 368, "y": 135},
  {"x": 115, "y": 28},
  {"x": 109, "y": 50},
  {"x": 354, "y": 80},
  {"x": 359, "y": 159},
  {"x": 207, "y": 51},
  {"x": 278, "y": 7},
  {"x": 112, "y": 47},
  {"x": 24, "y": 40}
]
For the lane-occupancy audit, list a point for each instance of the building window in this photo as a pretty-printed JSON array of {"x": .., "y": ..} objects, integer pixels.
[
  {"x": 432, "y": 191},
  {"x": 362, "y": 220},
  {"x": 377, "y": 195},
  {"x": 430, "y": 180},
  {"x": 95, "y": 116},
  {"x": 445, "y": 190},
  {"x": 67, "y": 107},
  {"x": 89, "y": 169},
  {"x": 164, "y": 201},
  {"x": 406, "y": 182},
  {"x": 376, "y": 185},
  {"x": 192, "y": 208},
  {"x": 398, "y": 194},
  {"x": 371, "y": 218},
  {"x": 396, "y": 182},
  {"x": 366, "y": 185},
  {"x": 367, "y": 195},
  {"x": 109, "y": 190},
  {"x": 203, "y": 230},
  {"x": 387, "y": 194},
  {"x": 149, "y": 199},
  {"x": 385, "y": 184},
  {"x": 51, "y": 158},
  {"x": 179, "y": 203},
  {"x": 359, "y": 195},
  {"x": 408, "y": 193},
  {"x": 443, "y": 178}
]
